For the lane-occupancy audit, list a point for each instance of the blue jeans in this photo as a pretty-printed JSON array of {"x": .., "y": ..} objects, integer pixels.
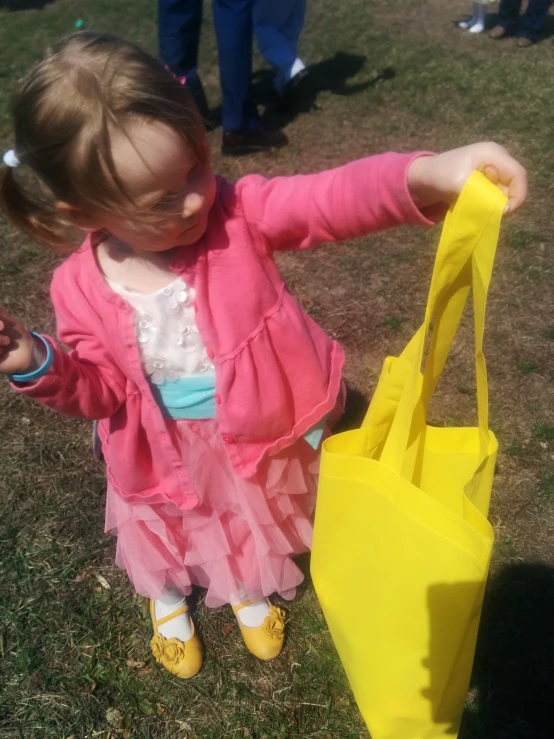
[
  {"x": 277, "y": 26},
  {"x": 234, "y": 28},
  {"x": 533, "y": 19},
  {"x": 179, "y": 23}
]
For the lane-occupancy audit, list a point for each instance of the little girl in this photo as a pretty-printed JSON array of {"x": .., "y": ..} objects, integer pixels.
[{"x": 212, "y": 386}]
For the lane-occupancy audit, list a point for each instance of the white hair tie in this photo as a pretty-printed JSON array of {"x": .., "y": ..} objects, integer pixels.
[{"x": 11, "y": 159}]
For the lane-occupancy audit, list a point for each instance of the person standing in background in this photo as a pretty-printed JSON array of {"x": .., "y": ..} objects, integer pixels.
[
  {"x": 477, "y": 22},
  {"x": 277, "y": 27},
  {"x": 242, "y": 129},
  {"x": 528, "y": 29},
  {"x": 179, "y": 25}
]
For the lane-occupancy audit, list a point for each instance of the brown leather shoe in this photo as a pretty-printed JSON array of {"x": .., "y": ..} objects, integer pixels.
[
  {"x": 238, "y": 143},
  {"x": 523, "y": 42},
  {"x": 498, "y": 32}
]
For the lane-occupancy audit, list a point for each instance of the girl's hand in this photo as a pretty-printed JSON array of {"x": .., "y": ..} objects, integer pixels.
[
  {"x": 16, "y": 346},
  {"x": 440, "y": 179}
]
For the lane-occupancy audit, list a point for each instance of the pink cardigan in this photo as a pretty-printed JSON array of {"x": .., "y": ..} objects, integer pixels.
[{"x": 277, "y": 372}]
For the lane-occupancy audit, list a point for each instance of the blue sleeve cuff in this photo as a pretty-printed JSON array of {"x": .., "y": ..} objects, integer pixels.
[{"x": 43, "y": 369}]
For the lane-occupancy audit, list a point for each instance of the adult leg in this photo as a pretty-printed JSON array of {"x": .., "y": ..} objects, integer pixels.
[
  {"x": 278, "y": 27},
  {"x": 179, "y": 24},
  {"x": 242, "y": 132},
  {"x": 292, "y": 29},
  {"x": 233, "y": 27},
  {"x": 533, "y": 19},
  {"x": 508, "y": 17}
]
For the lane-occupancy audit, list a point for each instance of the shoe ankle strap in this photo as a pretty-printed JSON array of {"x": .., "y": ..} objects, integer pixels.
[
  {"x": 246, "y": 603},
  {"x": 170, "y": 616}
]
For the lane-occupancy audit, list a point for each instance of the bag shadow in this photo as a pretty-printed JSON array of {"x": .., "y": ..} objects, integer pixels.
[
  {"x": 512, "y": 684},
  {"x": 513, "y": 678},
  {"x": 454, "y": 611}
]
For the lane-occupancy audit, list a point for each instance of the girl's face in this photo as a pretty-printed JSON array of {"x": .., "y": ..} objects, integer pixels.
[{"x": 163, "y": 177}]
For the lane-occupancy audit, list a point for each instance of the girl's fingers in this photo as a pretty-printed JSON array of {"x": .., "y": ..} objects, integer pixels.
[
  {"x": 511, "y": 177},
  {"x": 491, "y": 173},
  {"x": 517, "y": 191}
]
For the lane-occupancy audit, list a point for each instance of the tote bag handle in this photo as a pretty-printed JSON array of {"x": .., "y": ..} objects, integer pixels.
[{"x": 464, "y": 259}]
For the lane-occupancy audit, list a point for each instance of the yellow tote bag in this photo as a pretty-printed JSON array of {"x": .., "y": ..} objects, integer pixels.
[{"x": 402, "y": 543}]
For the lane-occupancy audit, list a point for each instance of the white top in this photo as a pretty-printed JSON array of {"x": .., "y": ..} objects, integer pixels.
[{"x": 167, "y": 335}]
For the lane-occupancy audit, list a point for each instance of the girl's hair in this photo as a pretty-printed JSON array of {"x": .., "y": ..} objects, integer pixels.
[{"x": 66, "y": 110}]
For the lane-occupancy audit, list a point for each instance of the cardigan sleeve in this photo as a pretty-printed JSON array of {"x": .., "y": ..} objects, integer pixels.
[
  {"x": 84, "y": 382},
  {"x": 303, "y": 211}
]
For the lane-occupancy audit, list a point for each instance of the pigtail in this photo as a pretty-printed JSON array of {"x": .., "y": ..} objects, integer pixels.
[{"x": 32, "y": 215}]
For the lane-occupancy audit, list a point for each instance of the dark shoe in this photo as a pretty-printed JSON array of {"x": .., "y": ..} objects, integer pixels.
[
  {"x": 523, "y": 42},
  {"x": 238, "y": 143},
  {"x": 498, "y": 32},
  {"x": 295, "y": 90}
]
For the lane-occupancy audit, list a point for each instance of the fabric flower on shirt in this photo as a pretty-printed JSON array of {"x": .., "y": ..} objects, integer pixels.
[
  {"x": 147, "y": 328},
  {"x": 189, "y": 338},
  {"x": 171, "y": 297},
  {"x": 159, "y": 370}
]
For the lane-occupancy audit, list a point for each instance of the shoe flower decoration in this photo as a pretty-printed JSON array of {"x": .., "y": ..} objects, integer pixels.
[
  {"x": 168, "y": 652},
  {"x": 275, "y": 622}
]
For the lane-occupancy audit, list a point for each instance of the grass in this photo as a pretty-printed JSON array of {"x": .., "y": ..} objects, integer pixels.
[
  {"x": 394, "y": 323},
  {"x": 527, "y": 367},
  {"x": 543, "y": 431},
  {"x": 73, "y": 636}
]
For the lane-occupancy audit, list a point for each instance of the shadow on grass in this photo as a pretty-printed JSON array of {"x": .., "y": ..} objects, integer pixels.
[
  {"x": 513, "y": 677},
  {"x": 330, "y": 75},
  {"x": 354, "y": 411},
  {"x": 15, "y": 5},
  {"x": 548, "y": 30}
]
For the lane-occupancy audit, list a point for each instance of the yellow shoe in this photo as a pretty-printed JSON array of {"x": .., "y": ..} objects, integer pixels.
[
  {"x": 265, "y": 641},
  {"x": 181, "y": 658}
]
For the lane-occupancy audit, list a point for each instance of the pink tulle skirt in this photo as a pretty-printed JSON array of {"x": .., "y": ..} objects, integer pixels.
[{"x": 239, "y": 542}]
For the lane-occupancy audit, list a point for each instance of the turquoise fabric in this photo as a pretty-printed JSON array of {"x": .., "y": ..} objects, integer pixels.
[
  {"x": 313, "y": 436},
  {"x": 193, "y": 398}
]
